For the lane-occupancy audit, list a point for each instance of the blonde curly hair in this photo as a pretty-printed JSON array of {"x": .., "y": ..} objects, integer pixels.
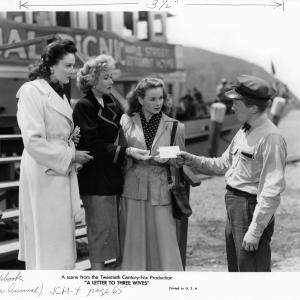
[{"x": 88, "y": 75}]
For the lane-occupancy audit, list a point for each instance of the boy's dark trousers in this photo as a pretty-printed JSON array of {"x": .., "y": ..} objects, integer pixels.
[{"x": 240, "y": 207}]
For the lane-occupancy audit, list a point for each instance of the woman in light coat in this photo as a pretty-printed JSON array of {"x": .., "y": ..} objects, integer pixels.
[
  {"x": 149, "y": 238},
  {"x": 49, "y": 199}
]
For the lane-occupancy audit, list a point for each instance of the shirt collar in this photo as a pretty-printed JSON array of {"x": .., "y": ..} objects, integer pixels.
[
  {"x": 100, "y": 101},
  {"x": 153, "y": 117},
  {"x": 58, "y": 88}
]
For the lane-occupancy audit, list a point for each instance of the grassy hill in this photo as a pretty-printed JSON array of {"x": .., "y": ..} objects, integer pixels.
[{"x": 205, "y": 69}]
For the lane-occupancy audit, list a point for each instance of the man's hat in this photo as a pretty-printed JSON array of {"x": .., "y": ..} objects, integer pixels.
[{"x": 252, "y": 88}]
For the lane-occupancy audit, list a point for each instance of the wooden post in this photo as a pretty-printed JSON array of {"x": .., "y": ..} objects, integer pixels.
[
  {"x": 277, "y": 109},
  {"x": 217, "y": 116}
]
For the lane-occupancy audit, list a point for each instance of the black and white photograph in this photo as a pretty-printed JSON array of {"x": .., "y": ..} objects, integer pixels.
[{"x": 160, "y": 136}]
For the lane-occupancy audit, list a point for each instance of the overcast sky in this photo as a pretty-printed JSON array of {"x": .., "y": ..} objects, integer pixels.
[{"x": 256, "y": 34}]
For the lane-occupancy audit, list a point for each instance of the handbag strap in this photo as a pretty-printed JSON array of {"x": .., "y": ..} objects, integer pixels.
[{"x": 173, "y": 134}]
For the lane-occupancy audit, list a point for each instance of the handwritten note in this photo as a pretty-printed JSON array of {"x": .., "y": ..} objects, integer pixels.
[
  {"x": 168, "y": 152},
  {"x": 161, "y": 4},
  {"x": 14, "y": 285}
]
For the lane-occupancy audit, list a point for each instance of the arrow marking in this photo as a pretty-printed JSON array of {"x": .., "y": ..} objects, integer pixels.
[
  {"x": 275, "y": 4},
  {"x": 26, "y": 5}
]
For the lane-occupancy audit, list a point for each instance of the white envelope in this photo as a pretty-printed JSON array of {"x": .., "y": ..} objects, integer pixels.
[{"x": 168, "y": 151}]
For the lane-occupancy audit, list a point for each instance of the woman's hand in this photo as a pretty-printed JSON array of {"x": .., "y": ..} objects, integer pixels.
[
  {"x": 82, "y": 157},
  {"x": 138, "y": 154},
  {"x": 184, "y": 158},
  {"x": 75, "y": 136},
  {"x": 160, "y": 160}
]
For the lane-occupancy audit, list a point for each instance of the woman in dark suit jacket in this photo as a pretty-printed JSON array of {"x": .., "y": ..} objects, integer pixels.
[{"x": 101, "y": 180}]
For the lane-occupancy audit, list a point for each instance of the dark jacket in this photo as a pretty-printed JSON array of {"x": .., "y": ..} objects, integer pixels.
[{"x": 99, "y": 129}]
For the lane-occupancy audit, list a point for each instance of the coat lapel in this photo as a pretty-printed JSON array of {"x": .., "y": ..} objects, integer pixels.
[
  {"x": 62, "y": 106},
  {"x": 104, "y": 112},
  {"x": 163, "y": 124},
  {"x": 139, "y": 129}
]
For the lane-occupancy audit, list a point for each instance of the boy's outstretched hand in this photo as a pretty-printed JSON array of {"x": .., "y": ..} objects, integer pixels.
[{"x": 184, "y": 158}]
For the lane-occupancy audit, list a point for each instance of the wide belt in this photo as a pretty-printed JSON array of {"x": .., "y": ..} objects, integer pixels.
[{"x": 239, "y": 192}]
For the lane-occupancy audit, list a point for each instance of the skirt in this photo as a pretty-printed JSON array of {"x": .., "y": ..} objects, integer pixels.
[
  {"x": 148, "y": 237},
  {"x": 101, "y": 215}
]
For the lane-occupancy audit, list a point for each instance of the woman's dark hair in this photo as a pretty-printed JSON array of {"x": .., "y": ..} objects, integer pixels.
[
  {"x": 140, "y": 91},
  {"x": 51, "y": 55},
  {"x": 261, "y": 105}
]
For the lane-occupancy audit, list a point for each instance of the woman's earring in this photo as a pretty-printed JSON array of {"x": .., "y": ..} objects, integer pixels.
[{"x": 51, "y": 71}]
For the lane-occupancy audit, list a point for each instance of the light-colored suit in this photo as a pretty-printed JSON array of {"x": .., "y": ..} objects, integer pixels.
[
  {"x": 48, "y": 195},
  {"x": 147, "y": 180}
]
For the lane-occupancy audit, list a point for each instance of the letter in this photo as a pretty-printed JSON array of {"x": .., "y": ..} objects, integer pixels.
[
  {"x": 110, "y": 47},
  {"x": 119, "y": 49},
  {"x": 32, "y": 48},
  {"x": 66, "y": 36},
  {"x": 14, "y": 37},
  {"x": 85, "y": 43},
  {"x": 103, "y": 48},
  {"x": 78, "y": 39}
]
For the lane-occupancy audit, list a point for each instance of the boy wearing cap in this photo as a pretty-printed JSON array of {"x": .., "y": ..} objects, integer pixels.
[{"x": 253, "y": 165}]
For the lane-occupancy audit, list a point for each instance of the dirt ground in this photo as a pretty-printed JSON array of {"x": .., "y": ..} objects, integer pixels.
[{"x": 206, "y": 240}]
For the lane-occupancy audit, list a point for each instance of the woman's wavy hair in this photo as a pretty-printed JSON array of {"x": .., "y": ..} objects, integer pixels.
[
  {"x": 51, "y": 55},
  {"x": 140, "y": 91},
  {"x": 88, "y": 75}
]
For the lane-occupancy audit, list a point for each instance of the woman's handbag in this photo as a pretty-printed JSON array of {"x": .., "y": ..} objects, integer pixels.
[{"x": 179, "y": 195}]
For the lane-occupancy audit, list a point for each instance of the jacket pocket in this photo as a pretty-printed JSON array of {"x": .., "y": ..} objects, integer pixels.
[
  {"x": 159, "y": 192},
  {"x": 135, "y": 184}
]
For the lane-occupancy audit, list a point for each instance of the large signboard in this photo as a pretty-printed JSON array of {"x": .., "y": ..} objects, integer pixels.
[{"x": 131, "y": 57}]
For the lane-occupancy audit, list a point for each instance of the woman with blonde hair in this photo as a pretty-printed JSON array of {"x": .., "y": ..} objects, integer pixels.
[
  {"x": 149, "y": 240},
  {"x": 101, "y": 180}
]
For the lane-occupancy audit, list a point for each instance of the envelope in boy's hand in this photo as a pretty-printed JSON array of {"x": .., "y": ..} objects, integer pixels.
[{"x": 169, "y": 151}]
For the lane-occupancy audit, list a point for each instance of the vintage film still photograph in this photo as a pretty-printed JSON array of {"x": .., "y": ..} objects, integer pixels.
[{"x": 150, "y": 140}]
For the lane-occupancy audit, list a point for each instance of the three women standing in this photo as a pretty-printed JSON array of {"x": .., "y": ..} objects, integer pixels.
[{"x": 48, "y": 196}]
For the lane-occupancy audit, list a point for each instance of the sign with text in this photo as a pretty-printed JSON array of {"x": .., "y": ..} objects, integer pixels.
[{"x": 131, "y": 57}]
